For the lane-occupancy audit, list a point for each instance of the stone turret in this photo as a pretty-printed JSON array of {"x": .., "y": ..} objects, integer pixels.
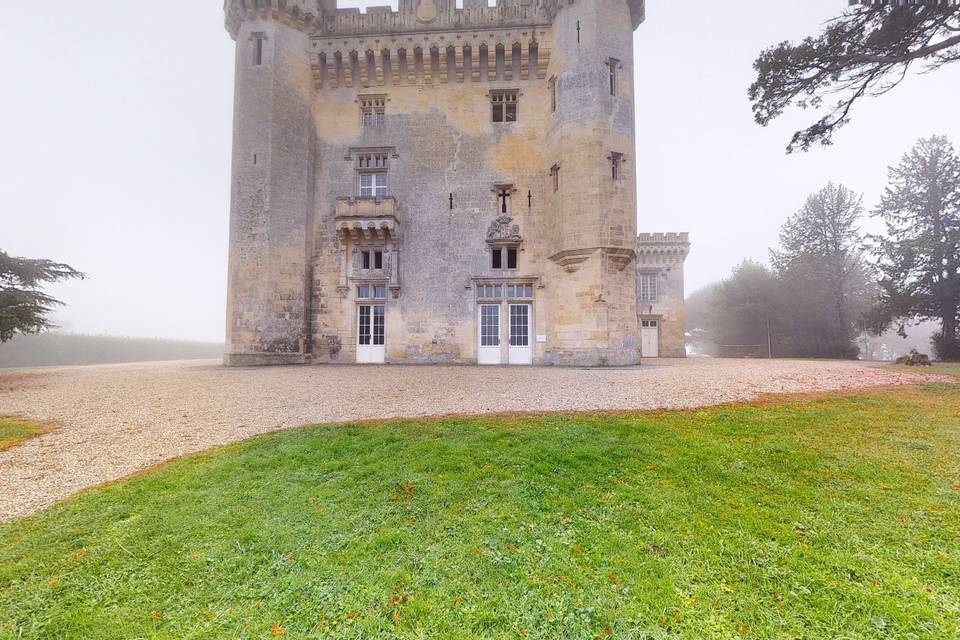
[
  {"x": 595, "y": 200},
  {"x": 298, "y": 13},
  {"x": 268, "y": 294}
]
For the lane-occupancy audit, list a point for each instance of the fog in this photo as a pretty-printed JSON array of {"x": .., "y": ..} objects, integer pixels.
[{"x": 117, "y": 116}]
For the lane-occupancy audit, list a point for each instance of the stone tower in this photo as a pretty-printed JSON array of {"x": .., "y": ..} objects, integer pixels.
[
  {"x": 434, "y": 184},
  {"x": 274, "y": 148},
  {"x": 593, "y": 136}
]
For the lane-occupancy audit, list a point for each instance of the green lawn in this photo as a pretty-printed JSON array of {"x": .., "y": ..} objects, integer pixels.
[
  {"x": 821, "y": 517},
  {"x": 13, "y": 431},
  {"x": 941, "y": 368}
]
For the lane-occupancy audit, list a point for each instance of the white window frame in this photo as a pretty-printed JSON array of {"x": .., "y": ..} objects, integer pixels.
[{"x": 649, "y": 287}]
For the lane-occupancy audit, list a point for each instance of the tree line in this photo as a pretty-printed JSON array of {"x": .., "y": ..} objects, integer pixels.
[{"x": 829, "y": 282}]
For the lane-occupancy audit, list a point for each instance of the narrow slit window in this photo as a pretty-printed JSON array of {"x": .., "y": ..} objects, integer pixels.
[
  {"x": 258, "y": 49},
  {"x": 616, "y": 166},
  {"x": 612, "y": 71},
  {"x": 553, "y": 95},
  {"x": 555, "y": 175}
]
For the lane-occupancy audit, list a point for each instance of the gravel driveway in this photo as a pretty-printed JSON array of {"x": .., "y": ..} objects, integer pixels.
[{"x": 115, "y": 420}]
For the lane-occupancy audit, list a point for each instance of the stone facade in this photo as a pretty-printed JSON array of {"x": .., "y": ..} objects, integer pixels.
[
  {"x": 402, "y": 177},
  {"x": 660, "y": 258}
]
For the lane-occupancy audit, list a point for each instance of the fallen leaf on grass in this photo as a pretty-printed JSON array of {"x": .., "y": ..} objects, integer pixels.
[{"x": 277, "y": 630}]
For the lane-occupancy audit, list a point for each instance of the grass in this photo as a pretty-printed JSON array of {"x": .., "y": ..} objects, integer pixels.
[
  {"x": 819, "y": 517},
  {"x": 13, "y": 431},
  {"x": 939, "y": 368}
]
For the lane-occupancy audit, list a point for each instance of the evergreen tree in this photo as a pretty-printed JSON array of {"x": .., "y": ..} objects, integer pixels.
[
  {"x": 920, "y": 256},
  {"x": 821, "y": 263},
  {"x": 867, "y": 51},
  {"x": 23, "y": 306},
  {"x": 747, "y": 305}
]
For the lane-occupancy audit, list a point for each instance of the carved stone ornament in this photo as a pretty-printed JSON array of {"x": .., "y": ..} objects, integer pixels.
[
  {"x": 426, "y": 10},
  {"x": 501, "y": 230}
]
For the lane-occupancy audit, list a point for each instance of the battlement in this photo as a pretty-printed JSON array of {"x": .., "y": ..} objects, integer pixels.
[
  {"x": 663, "y": 238},
  {"x": 662, "y": 248},
  {"x": 322, "y": 18}
]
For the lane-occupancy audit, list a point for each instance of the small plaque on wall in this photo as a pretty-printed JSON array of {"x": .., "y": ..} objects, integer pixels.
[{"x": 541, "y": 338}]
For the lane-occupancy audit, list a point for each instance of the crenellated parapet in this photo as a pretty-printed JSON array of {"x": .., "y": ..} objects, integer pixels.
[
  {"x": 301, "y": 14},
  {"x": 323, "y": 18},
  {"x": 654, "y": 249}
]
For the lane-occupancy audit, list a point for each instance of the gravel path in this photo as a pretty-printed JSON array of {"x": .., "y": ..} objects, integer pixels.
[{"x": 118, "y": 419}]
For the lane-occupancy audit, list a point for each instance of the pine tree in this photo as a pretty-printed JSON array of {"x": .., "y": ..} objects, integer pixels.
[
  {"x": 23, "y": 307},
  {"x": 821, "y": 262},
  {"x": 920, "y": 255}
]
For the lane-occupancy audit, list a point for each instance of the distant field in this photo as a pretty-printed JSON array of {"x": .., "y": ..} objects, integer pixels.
[
  {"x": 54, "y": 349},
  {"x": 820, "y": 517}
]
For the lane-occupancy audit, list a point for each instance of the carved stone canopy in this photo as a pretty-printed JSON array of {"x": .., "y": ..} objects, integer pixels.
[{"x": 503, "y": 231}]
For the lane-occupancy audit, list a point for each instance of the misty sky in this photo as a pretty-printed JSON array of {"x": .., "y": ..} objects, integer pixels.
[{"x": 116, "y": 126}]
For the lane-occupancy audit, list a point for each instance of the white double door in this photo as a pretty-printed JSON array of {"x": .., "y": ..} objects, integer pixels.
[
  {"x": 371, "y": 325},
  {"x": 518, "y": 334}
]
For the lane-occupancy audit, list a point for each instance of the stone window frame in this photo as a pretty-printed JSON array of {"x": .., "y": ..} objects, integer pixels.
[
  {"x": 650, "y": 293},
  {"x": 553, "y": 93},
  {"x": 613, "y": 67},
  {"x": 504, "y": 98},
  {"x": 372, "y": 161},
  {"x": 374, "y": 106},
  {"x": 617, "y": 160},
  {"x": 257, "y": 38},
  {"x": 504, "y": 251}
]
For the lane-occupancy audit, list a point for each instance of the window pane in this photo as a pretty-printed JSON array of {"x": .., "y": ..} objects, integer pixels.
[
  {"x": 378, "y": 260},
  {"x": 366, "y": 259},
  {"x": 511, "y": 258},
  {"x": 498, "y": 291},
  {"x": 497, "y": 259},
  {"x": 519, "y": 325},
  {"x": 511, "y": 113},
  {"x": 489, "y": 325},
  {"x": 363, "y": 292},
  {"x": 363, "y": 332},
  {"x": 381, "y": 118},
  {"x": 367, "y": 118},
  {"x": 378, "y": 324}
]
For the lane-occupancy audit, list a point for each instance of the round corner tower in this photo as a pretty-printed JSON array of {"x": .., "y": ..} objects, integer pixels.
[
  {"x": 268, "y": 291},
  {"x": 593, "y": 138}
]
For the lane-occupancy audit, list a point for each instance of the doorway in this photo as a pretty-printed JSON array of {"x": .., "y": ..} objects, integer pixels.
[
  {"x": 650, "y": 338},
  {"x": 371, "y": 332},
  {"x": 488, "y": 350},
  {"x": 521, "y": 351}
]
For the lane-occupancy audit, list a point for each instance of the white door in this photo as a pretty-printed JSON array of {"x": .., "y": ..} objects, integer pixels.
[
  {"x": 521, "y": 351},
  {"x": 650, "y": 338},
  {"x": 488, "y": 350},
  {"x": 370, "y": 334}
]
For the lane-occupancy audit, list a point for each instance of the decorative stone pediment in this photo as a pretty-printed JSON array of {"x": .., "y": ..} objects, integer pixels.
[{"x": 503, "y": 231}]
